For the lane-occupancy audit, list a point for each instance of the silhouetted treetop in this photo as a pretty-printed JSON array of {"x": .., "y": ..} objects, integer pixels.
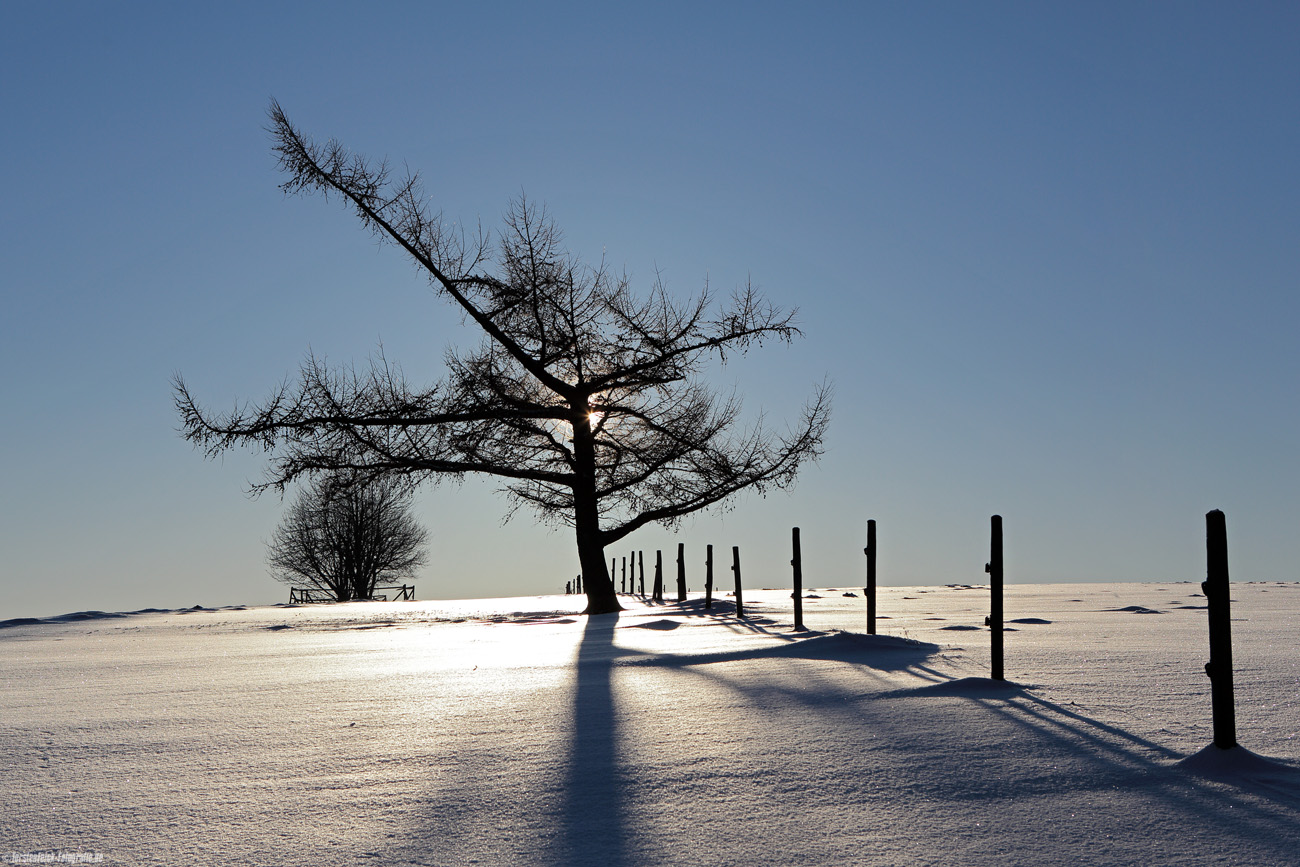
[{"x": 584, "y": 397}]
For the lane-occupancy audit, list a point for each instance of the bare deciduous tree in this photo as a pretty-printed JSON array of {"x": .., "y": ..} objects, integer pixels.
[
  {"x": 343, "y": 538},
  {"x": 585, "y": 398}
]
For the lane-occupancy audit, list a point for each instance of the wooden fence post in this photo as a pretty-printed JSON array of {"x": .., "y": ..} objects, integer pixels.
[
  {"x": 659, "y": 576},
  {"x": 641, "y": 560},
  {"x": 995, "y": 588},
  {"x": 870, "y": 590},
  {"x": 681, "y": 571},
  {"x": 1218, "y": 605},
  {"x": 624, "y": 575},
  {"x": 708, "y": 578},
  {"x": 796, "y": 562},
  {"x": 735, "y": 567}
]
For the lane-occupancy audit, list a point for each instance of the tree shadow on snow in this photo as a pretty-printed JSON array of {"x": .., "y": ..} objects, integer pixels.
[
  {"x": 593, "y": 816},
  {"x": 594, "y": 783},
  {"x": 881, "y": 652}
]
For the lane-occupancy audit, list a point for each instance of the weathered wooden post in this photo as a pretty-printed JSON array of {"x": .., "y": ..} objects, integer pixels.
[
  {"x": 1218, "y": 605},
  {"x": 870, "y": 590},
  {"x": 641, "y": 559},
  {"x": 681, "y": 571},
  {"x": 796, "y": 562},
  {"x": 994, "y": 569},
  {"x": 659, "y": 576},
  {"x": 708, "y": 578},
  {"x": 578, "y": 583},
  {"x": 735, "y": 567},
  {"x": 624, "y": 574}
]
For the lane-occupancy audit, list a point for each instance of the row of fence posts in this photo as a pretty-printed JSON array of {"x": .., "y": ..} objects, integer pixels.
[
  {"x": 1215, "y": 588},
  {"x": 796, "y": 563},
  {"x": 637, "y": 559}
]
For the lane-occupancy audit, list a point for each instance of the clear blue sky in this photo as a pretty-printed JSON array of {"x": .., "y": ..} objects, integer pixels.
[{"x": 1046, "y": 253}]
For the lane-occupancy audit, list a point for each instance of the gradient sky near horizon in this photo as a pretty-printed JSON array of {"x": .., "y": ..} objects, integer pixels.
[{"x": 1046, "y": 253}]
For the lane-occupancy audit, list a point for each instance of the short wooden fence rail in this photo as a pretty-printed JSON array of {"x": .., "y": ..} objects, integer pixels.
[{"x": 308, "y": 595}]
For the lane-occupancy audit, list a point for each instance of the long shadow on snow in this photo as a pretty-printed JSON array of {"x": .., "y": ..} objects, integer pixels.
[
  {"x": 1106, "y": 756},
  {"x": 881, "y": 652},
  {"x": 593, "y": 815},
  {"x": 1263, "y": 795},
  {"x": 592, "y": 823}
]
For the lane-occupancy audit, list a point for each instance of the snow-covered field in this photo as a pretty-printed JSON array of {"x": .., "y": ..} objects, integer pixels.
[{"x": 514, "y": 731}]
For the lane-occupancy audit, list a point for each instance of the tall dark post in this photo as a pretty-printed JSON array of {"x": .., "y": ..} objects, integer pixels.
[
  {"x": 659, "y": 576},
  {"x": 708, "y": 578},
  {"x": 995, "y": 588},
  {"x": 870, "y": 590},
  {"x": 681, "y": 571},
  {"x": 578, "y": 583},
  {"x": 735, "y": 567},
  {"x": 640, "y": 555},
  {"x": 796, "y": 562},
  {"x": 1218, "y": 603},
  {"x": 624, "y": 574}
]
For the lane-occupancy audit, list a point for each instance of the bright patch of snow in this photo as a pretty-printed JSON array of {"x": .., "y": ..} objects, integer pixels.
[{"x": 520, "y": 732}]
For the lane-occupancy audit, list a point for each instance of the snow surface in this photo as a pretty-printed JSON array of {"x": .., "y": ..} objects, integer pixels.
[{"x": 516, "y": 731}]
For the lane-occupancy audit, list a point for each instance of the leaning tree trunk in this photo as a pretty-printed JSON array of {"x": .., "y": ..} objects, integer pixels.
[{"x": 596, "y": 581}]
